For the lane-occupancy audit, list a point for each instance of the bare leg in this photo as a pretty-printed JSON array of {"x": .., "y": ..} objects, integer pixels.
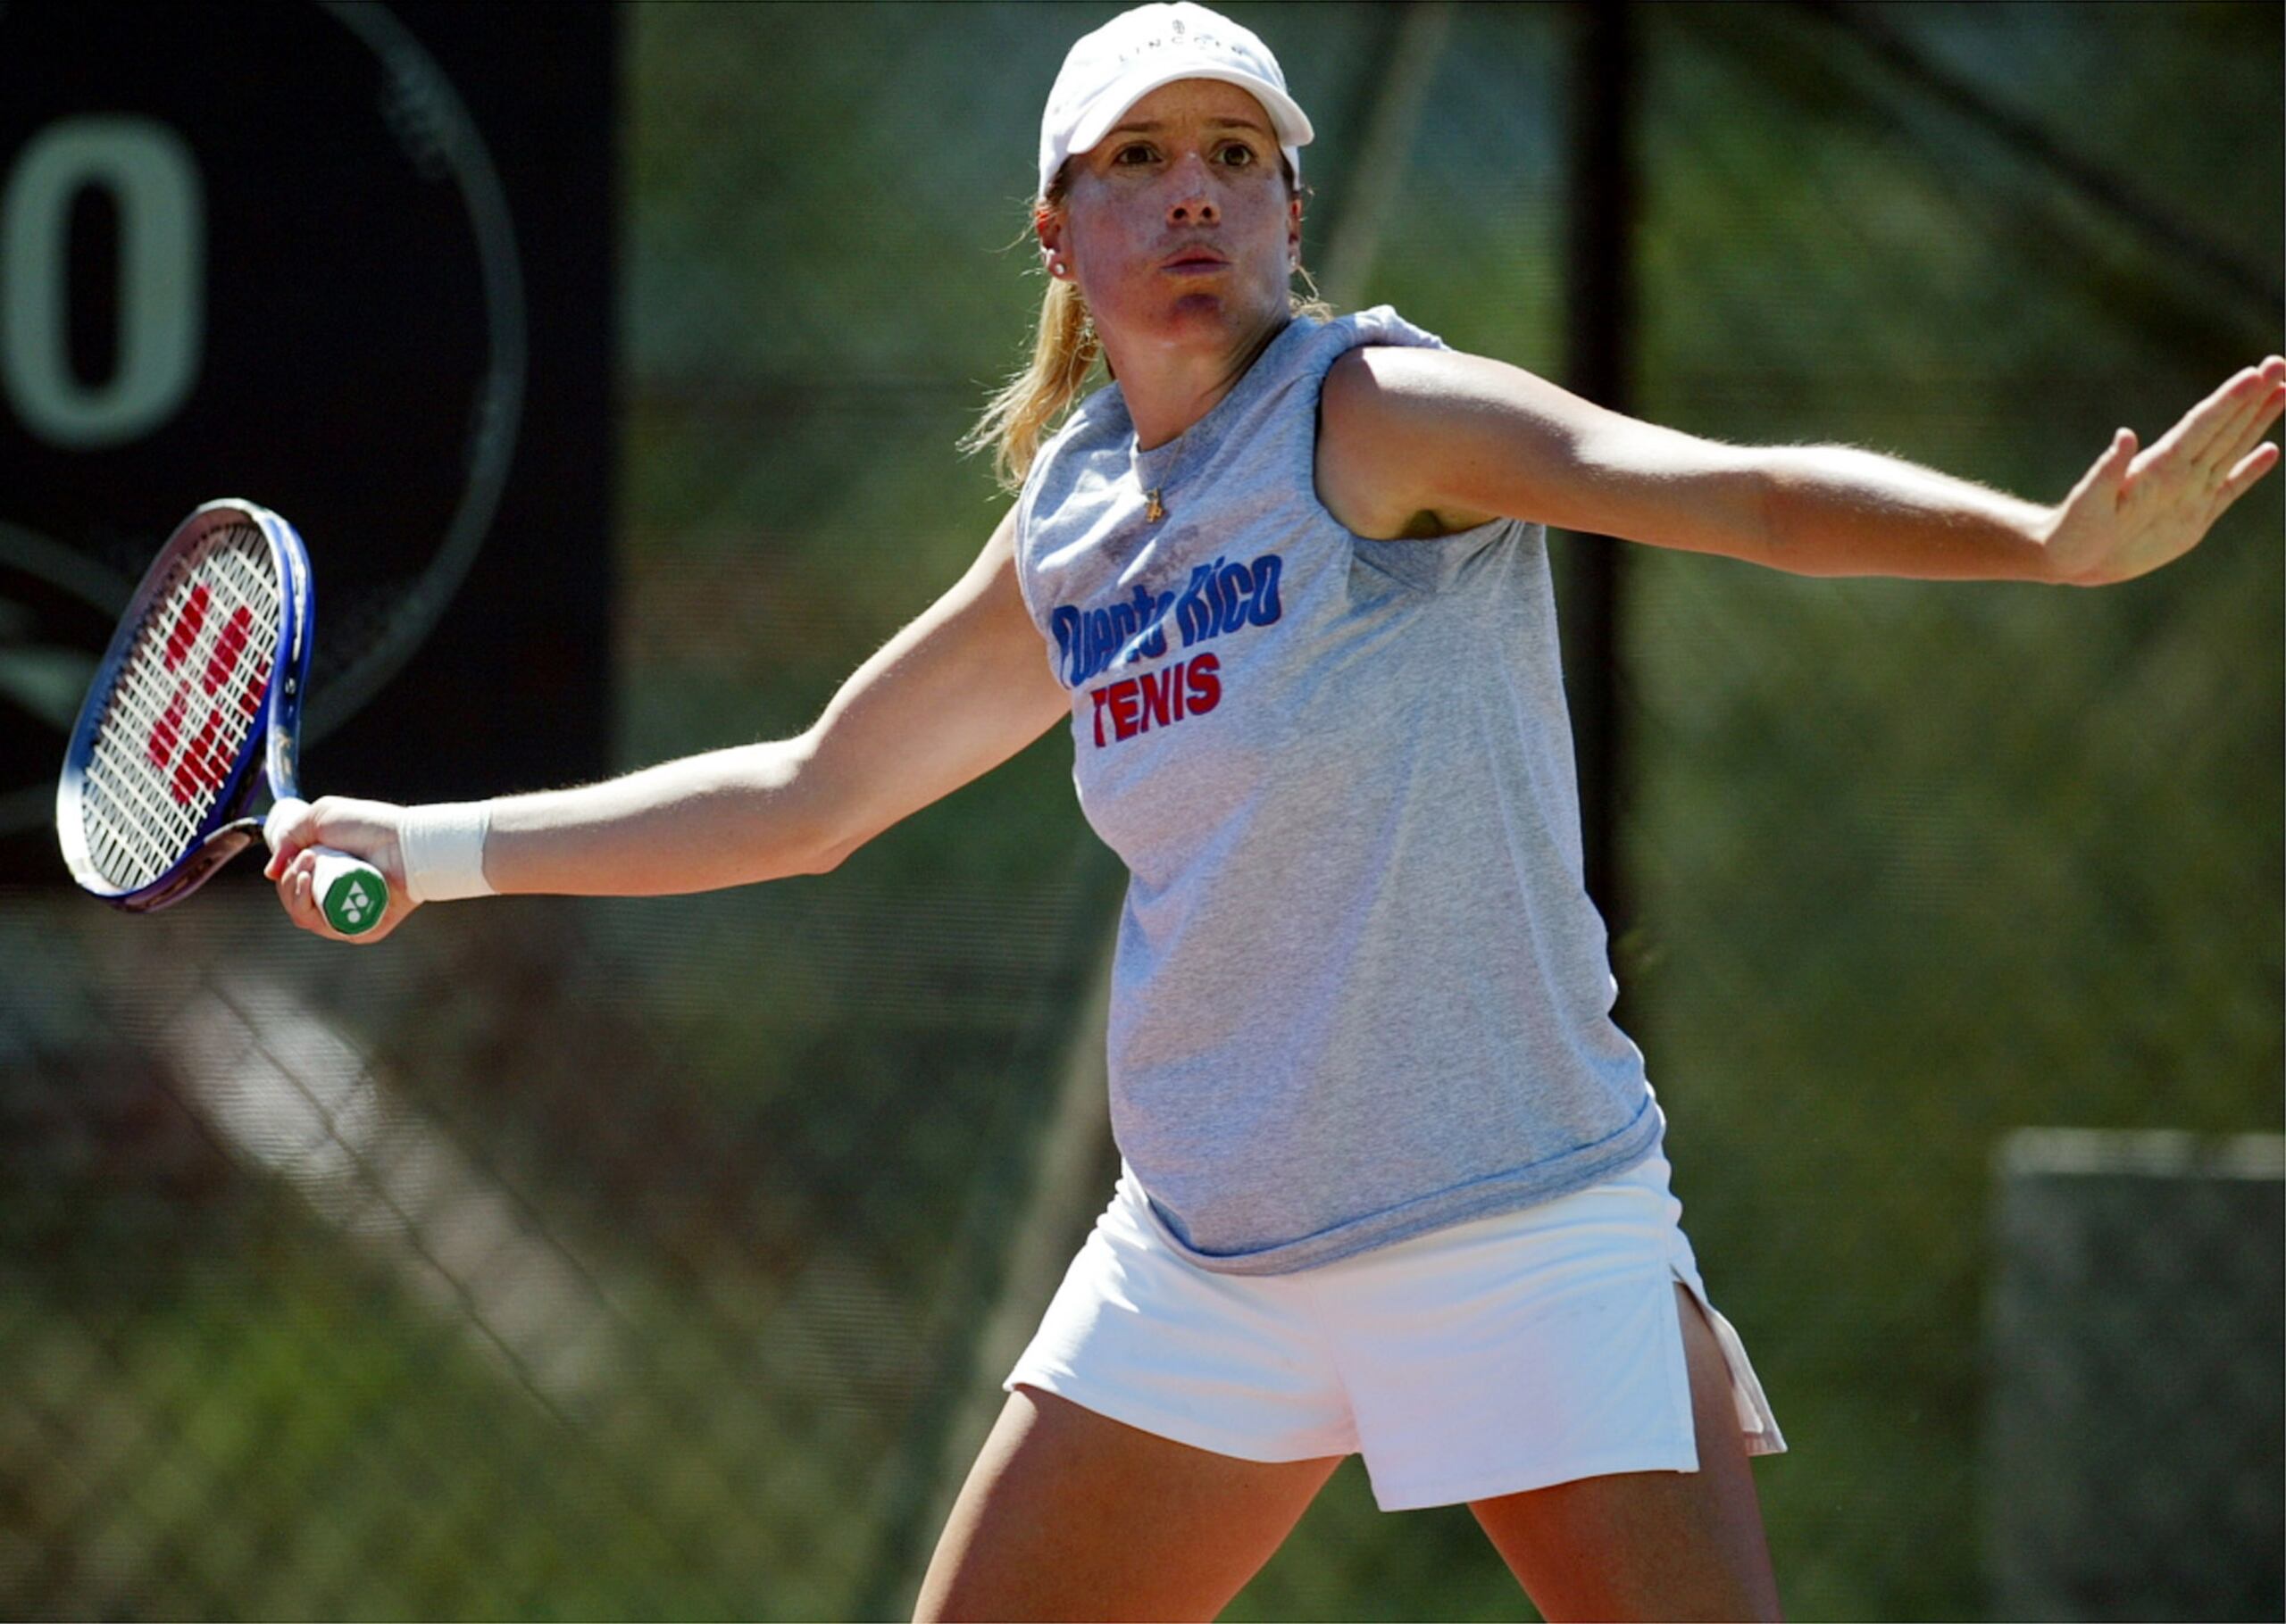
[
  {"x": 1649, "y": 1544},
  {"x": 1068, "y": 1515}
]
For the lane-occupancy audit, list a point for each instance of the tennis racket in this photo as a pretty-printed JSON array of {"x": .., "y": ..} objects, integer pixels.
[{"x": 206, "y": 672}]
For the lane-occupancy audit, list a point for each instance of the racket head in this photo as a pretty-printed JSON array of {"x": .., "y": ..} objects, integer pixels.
[{"x": 204, "y": 676}]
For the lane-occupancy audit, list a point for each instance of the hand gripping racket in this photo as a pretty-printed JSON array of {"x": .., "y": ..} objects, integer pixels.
[{"x": 205, "y": 673}]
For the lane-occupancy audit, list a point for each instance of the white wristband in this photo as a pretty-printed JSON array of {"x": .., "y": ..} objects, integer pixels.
[{"x": 443, "y": 847}]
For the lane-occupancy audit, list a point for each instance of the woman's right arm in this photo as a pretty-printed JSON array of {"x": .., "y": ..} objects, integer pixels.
[{"x": 961, "y": 690}]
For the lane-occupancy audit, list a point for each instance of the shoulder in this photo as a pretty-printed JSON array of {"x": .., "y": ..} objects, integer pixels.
[
  {"x": 1386, "y": 414},
  {"x": 1391, "y": 386},
  {"x": 1100, "y": 417},
  {"x": 1381, "y": 373},
  {"x": 1098, "y": 422}
]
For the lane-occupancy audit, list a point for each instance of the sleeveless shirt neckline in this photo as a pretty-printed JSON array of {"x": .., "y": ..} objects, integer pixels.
[{"x": 1159, "y": 465}]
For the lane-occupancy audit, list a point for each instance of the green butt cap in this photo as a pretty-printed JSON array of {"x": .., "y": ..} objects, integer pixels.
[{"x": 355, "y": 900}]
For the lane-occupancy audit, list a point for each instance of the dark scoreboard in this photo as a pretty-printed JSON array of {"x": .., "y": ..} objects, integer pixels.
[{"x": 352, "y": 262}]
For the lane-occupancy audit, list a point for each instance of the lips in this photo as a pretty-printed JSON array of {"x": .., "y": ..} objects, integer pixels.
[{"x": 1193, "y": 259}]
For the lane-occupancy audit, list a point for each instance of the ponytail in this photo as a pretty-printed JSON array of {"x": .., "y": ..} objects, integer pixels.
[{"x": 1063, "y": 353}]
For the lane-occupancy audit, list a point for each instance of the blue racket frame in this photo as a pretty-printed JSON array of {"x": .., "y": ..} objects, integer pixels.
[{"x": 274, "y": 735}]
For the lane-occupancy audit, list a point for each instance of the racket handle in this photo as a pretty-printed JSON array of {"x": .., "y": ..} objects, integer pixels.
[{"x": 350, "y": 891}]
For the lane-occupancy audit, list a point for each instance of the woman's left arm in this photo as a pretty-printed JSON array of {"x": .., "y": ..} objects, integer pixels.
[{"x": 1415, "y": 441}]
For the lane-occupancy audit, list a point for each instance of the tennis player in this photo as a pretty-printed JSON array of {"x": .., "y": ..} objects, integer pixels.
[{"x": 1393, "y": 1183}]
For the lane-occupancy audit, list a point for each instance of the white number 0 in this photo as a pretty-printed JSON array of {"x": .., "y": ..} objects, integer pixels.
[{"x": 153, "y": 184}]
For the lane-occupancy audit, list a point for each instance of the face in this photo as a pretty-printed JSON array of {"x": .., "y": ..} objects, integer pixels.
[{"x": 1178, "y": 226}]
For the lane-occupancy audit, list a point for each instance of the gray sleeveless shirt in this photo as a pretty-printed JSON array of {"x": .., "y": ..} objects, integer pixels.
[{"x": 1360, "y": 991}]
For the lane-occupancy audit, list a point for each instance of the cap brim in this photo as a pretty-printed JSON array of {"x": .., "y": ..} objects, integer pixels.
[{"x": 1288, "y": 121}]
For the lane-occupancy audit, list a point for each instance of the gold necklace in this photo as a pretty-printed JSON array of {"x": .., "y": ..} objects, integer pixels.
[
  {"x": 1155, "y": 504},
  {"x": 1154, "y": 507}
]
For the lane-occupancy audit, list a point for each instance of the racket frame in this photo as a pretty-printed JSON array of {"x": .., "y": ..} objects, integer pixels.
[{"x": 274, "y": 735}]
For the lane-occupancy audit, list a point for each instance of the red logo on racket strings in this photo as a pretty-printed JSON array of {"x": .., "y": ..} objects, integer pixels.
[{"x": 205, "y": 763}]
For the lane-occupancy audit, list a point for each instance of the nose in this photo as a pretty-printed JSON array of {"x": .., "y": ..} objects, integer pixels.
[{"x": 1193, "y": 202}]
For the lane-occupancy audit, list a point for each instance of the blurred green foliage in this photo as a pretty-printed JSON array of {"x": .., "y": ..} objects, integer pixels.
[{"x": 1911, "y": 863}]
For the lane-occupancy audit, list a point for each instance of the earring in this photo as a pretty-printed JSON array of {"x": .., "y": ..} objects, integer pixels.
[{"x": 1056, "y": 269}]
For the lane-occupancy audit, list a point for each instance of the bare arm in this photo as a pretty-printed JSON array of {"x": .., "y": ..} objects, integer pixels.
[
  {"x": 1415, "y": 442},
  {"x": 1421, "y": 442},
  {"x": 1835, "y": 510},
  {"x": 961, "y": 690}
]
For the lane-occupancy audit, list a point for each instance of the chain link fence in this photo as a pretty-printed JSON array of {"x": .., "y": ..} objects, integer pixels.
[
  {"x": 658, "y": 1259},
  {"x": 2130, "y": 1438}
]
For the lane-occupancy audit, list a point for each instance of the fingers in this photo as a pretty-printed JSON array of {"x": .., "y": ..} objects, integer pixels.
[
  {"x": 299, "y": 831},
  {"x": 363, "y": 829},
  {"x": 2261, "y": 411},
  {"x": 2235, "y": 456},
  {"x": 2184, "y": 444},
  {"x": 2257, "y": 463},
  {"x": 2110, "y": 471},
  {"x": 2242, "y": 427},
  {"x": 297, "y": 890},
  {"x": 291, "y": 825},
  {"x": 2211, "y": 428}
]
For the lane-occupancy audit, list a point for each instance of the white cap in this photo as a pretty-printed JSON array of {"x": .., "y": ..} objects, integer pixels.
[{"x": 1111, "y": 70}]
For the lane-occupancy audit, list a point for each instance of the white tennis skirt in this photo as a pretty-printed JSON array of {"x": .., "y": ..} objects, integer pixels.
[{"x": 1486, "y": 1358}]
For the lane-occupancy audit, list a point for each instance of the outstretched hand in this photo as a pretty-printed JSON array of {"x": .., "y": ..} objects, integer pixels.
[{"x": 2131, "y": 513}]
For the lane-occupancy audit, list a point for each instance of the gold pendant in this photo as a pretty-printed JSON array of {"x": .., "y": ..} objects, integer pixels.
[{"x": 1155, "y": 512}]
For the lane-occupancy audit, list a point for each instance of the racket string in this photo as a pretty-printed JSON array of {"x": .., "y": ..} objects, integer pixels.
[
  {"x": 181, "y": 708},
  {"x": 128, "y": 804}
]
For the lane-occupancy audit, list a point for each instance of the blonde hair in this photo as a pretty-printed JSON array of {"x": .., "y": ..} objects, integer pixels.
[{"x": 1064, "y": 353}]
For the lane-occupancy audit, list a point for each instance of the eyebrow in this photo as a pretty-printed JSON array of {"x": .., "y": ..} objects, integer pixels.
[{"x": 1152, "y": 127}]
